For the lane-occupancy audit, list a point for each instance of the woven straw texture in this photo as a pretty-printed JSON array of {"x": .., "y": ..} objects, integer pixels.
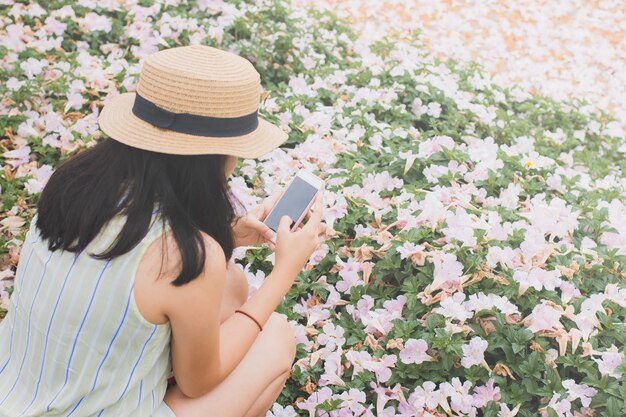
[{"x": 198, "y": 80}]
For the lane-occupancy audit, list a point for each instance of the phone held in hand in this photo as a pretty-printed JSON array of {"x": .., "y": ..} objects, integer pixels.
[{"x": 295, "y": 201}]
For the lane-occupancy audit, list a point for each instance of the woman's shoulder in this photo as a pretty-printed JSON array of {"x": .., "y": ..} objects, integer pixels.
[{"x": 161, "y": 264}]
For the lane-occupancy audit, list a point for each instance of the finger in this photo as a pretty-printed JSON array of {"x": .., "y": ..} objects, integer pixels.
[
  {"x": 261, "y": 228},
  {"x": 257, "y": 225},
  {"x": 316, "y": 217},
  {"x": 284, "y": 225}
]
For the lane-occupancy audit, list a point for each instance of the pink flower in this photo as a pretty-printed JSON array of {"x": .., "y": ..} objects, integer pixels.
[
  {"x": 460, "y": 226},
  {"x": 434, "y": 145},
  {"x": 51, "y": 140},
  {"x": 485, "y": 393},
  {"x": 315, "y": 399},
  {"x": 382, "y": 181},
  {"x": 382, "y": 368},
  {"x": 448, "y": 271},
  {"x": 362, "y": 360},
  {"x": 349, "y": 272},
  {"x": 384, "y": 394},
  {"x": 33, "y": 186},
  {"x": 357, "y": 358},
  {"x": 481, "y": 301},
  {"x": 332, "y": 337},
  {"x": 333, "y": 370},
  {"x": 319, "y": 254},
  {"x": 582, "y": 391},
  {"x": 505, "y": 411},
  {"x": 426, "y": 396},
  {"x": 460, "y": 399},
  {"x": 611, "y": 359},
  {"x": 301, "y": 336},
  {"x": 474, "y": 352},
  {"x": 568, "y": 291},
  {"x": 55, "y": 27},
  {"x": 380, "y": 319},
  {"x": 538, "y": 279},
  {"x": 587, "y": 320},
  {"x": 432, "y": 211},
  {"x": 413, "y": 251},
  {"x": 562, "y": 408},
  {"x": 363, "y": 306},
  {"x": 544, "y": 318},
  {"x": 454, "y": 307},
  {"x": 415, "y": 352},
  {"x": 41, "y": 174},
  {"x": 280, "y": 411},
  {"x": 18, "y": 156},
  {"x": 555, "y": 218},
  {"x": 352, "y": 400},
  {"x": 93, "y": 21},
  {"x": 313, "y": 314}
]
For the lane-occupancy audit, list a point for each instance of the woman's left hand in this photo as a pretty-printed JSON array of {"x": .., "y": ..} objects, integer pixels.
[{"x": 250, "y": 230}]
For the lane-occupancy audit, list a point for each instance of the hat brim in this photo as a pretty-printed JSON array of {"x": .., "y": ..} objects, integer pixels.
[{"x": 118, "y": 121}]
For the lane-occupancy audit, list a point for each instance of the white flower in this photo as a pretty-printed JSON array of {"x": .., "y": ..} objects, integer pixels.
[
  {"x": 434, "y": 109},
  {"x": 74, "y": 101},
  {"x": 474, "y": 352},
  {"x": 32, "y": 67},
  {"x": 14, "y": 84}
]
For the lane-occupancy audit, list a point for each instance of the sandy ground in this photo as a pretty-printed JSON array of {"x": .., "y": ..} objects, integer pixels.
[{"x": 563, "y": 49}]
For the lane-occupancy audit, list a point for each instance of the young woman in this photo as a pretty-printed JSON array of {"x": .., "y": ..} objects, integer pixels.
[{"x": 125, "y": 274}]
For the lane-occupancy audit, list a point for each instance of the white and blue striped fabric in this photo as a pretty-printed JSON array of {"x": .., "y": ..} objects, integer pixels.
[{"x": 73, "y": 342}]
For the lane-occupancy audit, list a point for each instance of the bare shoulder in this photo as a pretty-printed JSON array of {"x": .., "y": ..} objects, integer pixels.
[{"x": 156, "y": 297}]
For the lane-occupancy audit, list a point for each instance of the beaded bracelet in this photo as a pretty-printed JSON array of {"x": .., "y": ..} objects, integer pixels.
[{"x": 255, "y": 320}]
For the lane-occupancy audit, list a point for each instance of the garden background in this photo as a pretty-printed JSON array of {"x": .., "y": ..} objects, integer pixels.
[{"x": 476, "y": 240}]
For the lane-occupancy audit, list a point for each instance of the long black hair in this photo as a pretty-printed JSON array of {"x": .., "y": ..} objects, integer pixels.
[{"x": 191, "y": 192}]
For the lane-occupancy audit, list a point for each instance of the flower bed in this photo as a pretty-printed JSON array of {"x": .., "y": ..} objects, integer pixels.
[{"x": 476, "y": 234}]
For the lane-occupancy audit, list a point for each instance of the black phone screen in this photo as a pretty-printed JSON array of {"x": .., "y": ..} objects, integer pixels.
[{"x": 293, "y": 202}]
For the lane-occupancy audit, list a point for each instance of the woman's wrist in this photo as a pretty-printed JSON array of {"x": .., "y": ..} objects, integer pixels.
[{"x": 284, "y": 273}]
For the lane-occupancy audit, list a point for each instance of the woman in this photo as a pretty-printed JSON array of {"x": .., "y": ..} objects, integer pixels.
[{"x": 125, "y": 274}]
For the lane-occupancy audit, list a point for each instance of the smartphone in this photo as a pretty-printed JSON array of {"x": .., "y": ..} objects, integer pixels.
[{"x": 295, "y": 201}]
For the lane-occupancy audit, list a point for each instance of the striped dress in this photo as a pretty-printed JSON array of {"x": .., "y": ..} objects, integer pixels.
[{"x": 73, "y": 342}]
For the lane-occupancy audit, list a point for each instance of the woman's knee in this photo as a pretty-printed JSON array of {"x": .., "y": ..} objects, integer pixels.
[{"x": 281, "y": 339}]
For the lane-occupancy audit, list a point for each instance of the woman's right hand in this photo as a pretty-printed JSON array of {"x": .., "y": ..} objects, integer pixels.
[{"x": 293, "y": 249}]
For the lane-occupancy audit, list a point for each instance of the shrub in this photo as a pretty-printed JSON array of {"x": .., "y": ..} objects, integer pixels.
[{"x": 476, "y": 238}]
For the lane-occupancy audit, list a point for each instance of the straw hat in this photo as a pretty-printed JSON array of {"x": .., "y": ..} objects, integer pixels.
[{"x": 193, "y": 100}]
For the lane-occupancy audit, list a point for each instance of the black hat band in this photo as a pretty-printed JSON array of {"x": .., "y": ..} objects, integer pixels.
[{"x": 193, "y": 124}]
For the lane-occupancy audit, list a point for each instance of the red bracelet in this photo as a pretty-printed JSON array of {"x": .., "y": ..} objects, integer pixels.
[{"x": 255, "y": 320}]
